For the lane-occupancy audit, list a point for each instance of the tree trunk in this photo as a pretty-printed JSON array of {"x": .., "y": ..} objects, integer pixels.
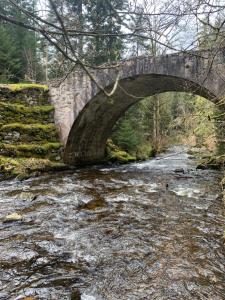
[{"x": 156, "y": 123}]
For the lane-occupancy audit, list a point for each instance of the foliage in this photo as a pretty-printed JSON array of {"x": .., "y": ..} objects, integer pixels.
[
  {"x": 18, "y": 46},
  {"x": 180, "y": 116},
  {"x": 9, "y": 61},
  {"x": 126, "y": 137},
  {"x": 115, "y": 154},
  {"x": 101, "y": 18},
  {"x": 213, "y": 162}
]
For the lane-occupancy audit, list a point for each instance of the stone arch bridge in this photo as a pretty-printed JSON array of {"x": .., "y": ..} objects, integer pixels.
[{"x": 85, "y": 116}]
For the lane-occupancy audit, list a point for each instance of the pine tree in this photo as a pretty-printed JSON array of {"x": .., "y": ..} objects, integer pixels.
[
  {"x": 24, "y": 41},
  {"x": 102, "y": 18},
  {"x": 126, "y": 137},
  {"x": 10, "y": 64}
]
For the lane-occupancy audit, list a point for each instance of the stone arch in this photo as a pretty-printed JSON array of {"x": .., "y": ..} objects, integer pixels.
[{"x": 90, "y": 130}]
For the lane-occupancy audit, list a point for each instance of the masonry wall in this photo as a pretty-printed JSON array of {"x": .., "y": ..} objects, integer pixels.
[{"x": 27, "y": 126}]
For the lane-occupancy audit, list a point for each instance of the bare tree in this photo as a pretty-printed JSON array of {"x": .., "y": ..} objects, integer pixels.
[{"x": 157, "y": 25}]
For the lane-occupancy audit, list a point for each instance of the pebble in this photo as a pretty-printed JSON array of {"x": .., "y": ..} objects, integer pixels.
[{"x": 14, "y": 217}]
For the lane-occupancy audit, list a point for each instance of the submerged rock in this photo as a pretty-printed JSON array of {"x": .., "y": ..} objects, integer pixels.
[
  {"x": 179, "y": 170},
  {"x": 94, "y": 204},
  {"x": 75, "y": 295},
  {"x": 14, "y": 217},
  {"x": 29, "y": 298},
  {"x": 27, "y": 196}
]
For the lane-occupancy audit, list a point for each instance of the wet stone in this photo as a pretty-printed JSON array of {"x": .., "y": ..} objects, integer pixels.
[
  {"x": 14, "y": 217},
  {"x": 27, "y": 196},
  {"x": 94, "y": 204},
  {"x": 29, "y": 298}
]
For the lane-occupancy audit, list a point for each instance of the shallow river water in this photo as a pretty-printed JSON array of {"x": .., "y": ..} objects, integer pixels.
[{"x": 139, "y": 231}]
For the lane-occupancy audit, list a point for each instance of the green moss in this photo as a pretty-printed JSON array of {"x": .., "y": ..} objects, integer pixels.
[
  {"x": 144, "y": 152},
  {"x": 19, "y": 132},
  {"x": 24, "y": 86},
  {"x": 30, "y": 94},
  {"x": 121, "y": 156},
  {"x": 21, "y": 126},
  {"x": 28, "y": 135},
  {"x": 212, "y": 162},
  {"x": 115, "y": 154},
  {"x": 49, "y": 150},
  {"x": 20, "y": 109},
  {"x": 11, "y": 113},
  {"x": 26, "y": 167}
]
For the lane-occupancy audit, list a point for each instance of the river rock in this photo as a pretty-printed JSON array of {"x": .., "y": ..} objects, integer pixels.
[
  {"x": 94, "y": 204},
  {"x": 14, "y": 217},
  {"x": 179, "y": 170},
  {"x": 27, "y": 196}
]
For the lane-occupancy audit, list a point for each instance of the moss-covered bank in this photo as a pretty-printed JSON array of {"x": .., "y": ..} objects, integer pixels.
[
  {"x": 23, "y": 168},
  {"x": 29, "y": 141},
  {"x": 117, "y": 155},
  {"x": 216, "y": 162}
]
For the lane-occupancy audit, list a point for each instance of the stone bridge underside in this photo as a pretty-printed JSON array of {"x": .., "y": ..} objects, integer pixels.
[{"x": 85, "y": 116}]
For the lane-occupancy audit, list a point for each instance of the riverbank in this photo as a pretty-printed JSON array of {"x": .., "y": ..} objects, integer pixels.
[
  {"x": 24, "y": 168},
  {"x": 117, "y": 155}
]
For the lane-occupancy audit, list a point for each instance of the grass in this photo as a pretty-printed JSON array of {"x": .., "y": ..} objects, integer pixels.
[{"x": 24, "y": 86}]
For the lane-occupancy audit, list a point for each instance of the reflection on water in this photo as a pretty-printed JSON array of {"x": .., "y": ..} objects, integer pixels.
[{"x": 140, "y": 231}]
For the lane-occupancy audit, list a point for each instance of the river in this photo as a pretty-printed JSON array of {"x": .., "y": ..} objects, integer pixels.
[{"x": 148, "y": 230}]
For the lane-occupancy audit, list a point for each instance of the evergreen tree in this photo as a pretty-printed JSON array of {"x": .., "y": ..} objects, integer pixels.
[
  {"x": 102, "y": 18},
  {"x": 126, "y": 137},
  {"x": 10, "y": 63},
  {"x": 24, "y": 41}
]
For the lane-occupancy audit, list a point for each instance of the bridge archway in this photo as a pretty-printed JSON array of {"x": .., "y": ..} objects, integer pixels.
[{"x": 88, "y": 135}]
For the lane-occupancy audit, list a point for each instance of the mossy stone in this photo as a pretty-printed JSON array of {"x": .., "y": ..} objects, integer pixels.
[
  {"x": 115, "y": 154},
  {"x": 23, "y": 133},
  {"x": 11, "y": 113}
]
